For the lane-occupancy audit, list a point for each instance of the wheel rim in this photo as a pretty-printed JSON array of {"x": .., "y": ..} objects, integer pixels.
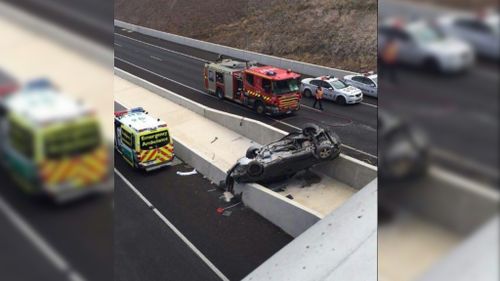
[
  {"x": 325, "y": 152},
  {"x": 260, "y": 109}
]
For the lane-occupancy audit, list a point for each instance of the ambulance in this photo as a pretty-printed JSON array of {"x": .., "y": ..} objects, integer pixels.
[
  {"x": 143, "y": 141},
  {"x": 52, "y": 145}
]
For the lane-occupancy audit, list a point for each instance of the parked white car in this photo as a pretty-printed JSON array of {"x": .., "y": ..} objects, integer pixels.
[
  {"x": 481, "y": 31},
  {"x": 367, "y": 83},
  {"x": 423, "y": 45},
  {"x": 333, "y": 89}
]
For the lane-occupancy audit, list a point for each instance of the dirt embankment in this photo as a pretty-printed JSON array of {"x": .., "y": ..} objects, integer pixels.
[{"x": 334, "y": 33}]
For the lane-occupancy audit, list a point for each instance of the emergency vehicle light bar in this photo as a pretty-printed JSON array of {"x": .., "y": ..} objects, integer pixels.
[
  {"x": 137, "y": 109},
  {"x": 120, "y": 113},
  {"x": 39, "y": 84}
]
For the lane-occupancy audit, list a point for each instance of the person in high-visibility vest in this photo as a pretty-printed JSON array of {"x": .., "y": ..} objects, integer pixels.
[
  {"x": 389, "y": 59},
  {"x": 318, "y": 96}
]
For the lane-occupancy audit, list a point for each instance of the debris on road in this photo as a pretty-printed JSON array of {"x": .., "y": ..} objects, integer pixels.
[
  {"x": 228, "y": 196},
  {"x": 215, "y": 139},
  {"x": 193, "y": 172},
  {"x": 224, "y": 211},
  {"x": 289, "y": 196}
]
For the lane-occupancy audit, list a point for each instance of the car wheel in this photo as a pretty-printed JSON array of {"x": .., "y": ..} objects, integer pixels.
[
  {"x": 252, "y": 151},
  {"x": 259, "y": 107},
  {"x": 431, "y": 65},
  {"x": 341, "y": 100},
  {"x": 255, "y": 169},
  {"x": 307, "y": 93},
  {"x": 219, "y": 93},
  {"x": 310, "y": 129},
  {"x": 324, "y": 151}
]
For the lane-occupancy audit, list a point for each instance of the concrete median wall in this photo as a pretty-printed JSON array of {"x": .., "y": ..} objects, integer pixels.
[
  {"x": 346, "y": 169},
  {"x": 301, "y": 67}
]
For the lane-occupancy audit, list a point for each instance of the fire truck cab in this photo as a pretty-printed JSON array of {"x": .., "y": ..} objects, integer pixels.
[{"x": 266, "y": 89}]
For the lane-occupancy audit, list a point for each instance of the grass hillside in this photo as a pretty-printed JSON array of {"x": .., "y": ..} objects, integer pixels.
[{"x": 334, "y": 33}]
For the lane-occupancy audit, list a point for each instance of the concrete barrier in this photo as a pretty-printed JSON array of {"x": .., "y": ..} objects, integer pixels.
[
  {"x": 287, "y": 214},
  {"x": 342, "y": 246},
  {"x": 447, "y": 199},
  {"x": 297, "y": 66},
  {"x": 346, "y": 169}
]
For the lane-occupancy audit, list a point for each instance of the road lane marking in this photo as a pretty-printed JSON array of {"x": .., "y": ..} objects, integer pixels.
[
  {"x": 165, "y": 49},
  {"x": 173, "y": 228},
  {"x": 369, "y": 104},
  {"x": 202, "y": 60},
  {"x": 39, "y": 242},
  {"x": 156, "y": 58},
  {"x": 467, "y": 163},
  {"x": 116, "y": 44},
  {"x": 464, "y": 183},
  {"x": 206, "y": 94}
]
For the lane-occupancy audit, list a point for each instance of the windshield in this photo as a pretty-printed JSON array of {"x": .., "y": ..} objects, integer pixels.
[
  {"x": 426, "y": 34},
  {"x": 494, "y": 23},
  {"x": 285, "y": 86},
  {"x": 154, "y": 140},
  {"x": 337, "y": 84},
  {"x": 71, "y": 139}
]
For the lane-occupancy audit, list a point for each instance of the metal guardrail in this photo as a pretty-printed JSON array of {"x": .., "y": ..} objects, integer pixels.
[{"x": 297, "y": 66}]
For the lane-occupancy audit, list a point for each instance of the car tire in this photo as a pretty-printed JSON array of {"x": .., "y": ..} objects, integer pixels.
[
  {"x": 310, "y": 129},
  {"x": 324, "y": 151},
  {"x": 341, "y": 100},
  {"x": 259, "y": 107},
  {"x": 255, "y": 169},
  {"x": 219, "y": 93},
  {"x": 431, "y": 65},
  {"x": 307, "y": 93},
  {"x": 252, "y": 151}
]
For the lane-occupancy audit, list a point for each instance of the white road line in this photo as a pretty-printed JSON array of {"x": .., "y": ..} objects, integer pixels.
[
  {"x": 37, "y": 240},
  {"x": 73, "y": 13},
  {"x": 174, "y": 229},
  {"x": 202, "y": 92},
  {"x": 161, "y": 48},
  {"x": 462, "y": 182},
  {"x": 159, "y": 75},
  {"x": 369, "y": 104},
  {"x": 464, "y": 162},
  {"x": 116, "y": 44},
  {"x": 156, "y": 58}
]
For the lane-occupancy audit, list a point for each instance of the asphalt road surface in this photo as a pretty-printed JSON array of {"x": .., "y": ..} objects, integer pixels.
[
  {"x": 91, "y": 18},
  {"x": 180, "y": 68},
  {"x": 80, "y": 232},
  {"x": 147, "y": 249}
]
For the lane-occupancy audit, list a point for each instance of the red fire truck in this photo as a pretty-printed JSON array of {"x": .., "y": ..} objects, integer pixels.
[{"x": 266, "y": 89}]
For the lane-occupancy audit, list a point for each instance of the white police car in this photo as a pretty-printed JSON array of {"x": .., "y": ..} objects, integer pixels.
[
  {"x": 481, "y": 31},
  {"x": 423, "y": 45},
  {"x": 367, "y": 83},
  {"x": 333, "y": 89}
]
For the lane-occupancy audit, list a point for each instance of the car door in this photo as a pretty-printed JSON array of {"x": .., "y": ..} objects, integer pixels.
[
  {"x": 358, "y": 82},
  {"x": 477, "y": 33},
  {"x": 408, "y": 49},
  {"x": 313, "y": 85},
  {"x": 328, "y": 90},
  {"x": 369, "y": 87}
]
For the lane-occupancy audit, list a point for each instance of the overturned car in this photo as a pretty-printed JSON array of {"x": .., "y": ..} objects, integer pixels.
[{"x": 283, "y": 158}]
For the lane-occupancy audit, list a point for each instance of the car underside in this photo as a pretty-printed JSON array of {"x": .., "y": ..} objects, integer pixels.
[{"x": 285, "y": 157}]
